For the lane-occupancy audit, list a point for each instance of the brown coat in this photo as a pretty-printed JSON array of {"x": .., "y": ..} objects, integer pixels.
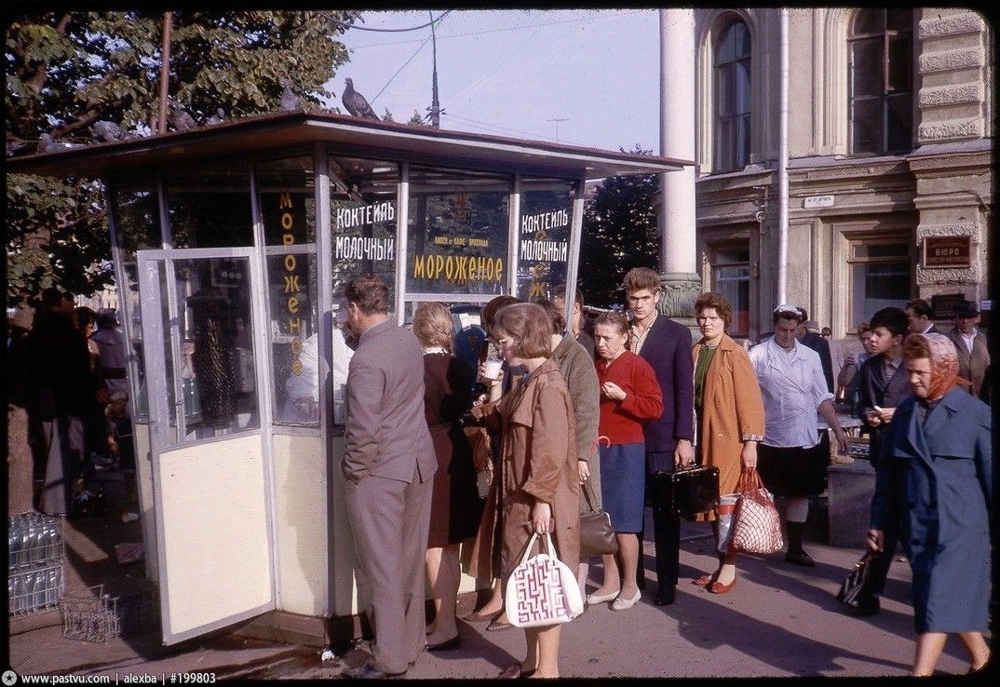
[
  {"x": 732, "y": 409},
  {"x": 538, "y": 461}
]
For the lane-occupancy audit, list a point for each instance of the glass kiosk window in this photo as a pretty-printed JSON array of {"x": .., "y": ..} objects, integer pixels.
[
  {"x": 210, "y": 207},
  {"x": 543, "y": 229}
]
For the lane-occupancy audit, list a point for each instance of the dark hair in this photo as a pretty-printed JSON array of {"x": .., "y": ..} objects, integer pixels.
[
  {"x": 84, "y": 316},
  {"x": 711, "y": 299},
  {"x": 528, "y": 323},
  {"x": 555, "y": 315},
  {"x": 488, "y": 314},
  {"x": 639, "y": 278},
  {"x": 53, "y": 296},
  {"x": 920, "y": 307},
  {"x": 369, "y": 293},
  {"x": 560, "y": 292},
  {"x": 892, "y": 319},
  {"x": 613, "y": 318}
]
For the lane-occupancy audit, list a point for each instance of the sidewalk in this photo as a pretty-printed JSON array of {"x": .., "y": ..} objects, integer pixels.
[{"x": 780, "y": 620}]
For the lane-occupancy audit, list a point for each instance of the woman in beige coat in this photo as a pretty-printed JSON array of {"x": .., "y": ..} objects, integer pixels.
[
  {"x": 540, "y": 479},
  {"x": 729, "y": 411}
]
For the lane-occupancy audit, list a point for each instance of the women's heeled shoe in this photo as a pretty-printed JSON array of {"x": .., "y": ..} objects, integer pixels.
[
  {"x": 719, "y": 588},
  {"x": 704, "y": 580}
]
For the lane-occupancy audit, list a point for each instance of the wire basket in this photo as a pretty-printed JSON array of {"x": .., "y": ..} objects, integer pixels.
[
  {"x": 91, "y": 616},
  {"x": 35, "y": 589},
  {"x": 138, "y": 613},
  {"x": 33, "y": 540}
]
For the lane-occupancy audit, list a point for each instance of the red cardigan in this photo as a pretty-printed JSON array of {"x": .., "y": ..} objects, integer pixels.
[{"x": 621, "y": 421}]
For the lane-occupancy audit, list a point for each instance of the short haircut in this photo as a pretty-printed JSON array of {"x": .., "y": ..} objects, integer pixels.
[
  {"x": 892, "y": 319},
  {"x": 528, "y": 323},
  {"x": 369, "y": 293},
  {"x": 615, "y": 319},
  {"x": 786, "y": 312},
  {"x": 920, "y": 307},
  {"x": 433, "y": 325},
  {"x": 711, "y": 299},
  {"x": 555, "y": 315},
  {"x": 639, "y": 278},
  {"x": 803, "y": 312},
  {"x": 560, "y": 292},
  {"x": 488, "y": 314}
]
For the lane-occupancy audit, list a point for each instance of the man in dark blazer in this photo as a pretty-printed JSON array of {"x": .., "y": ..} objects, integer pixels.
[
  {"x": 883, "y": 385},
  {"x": 819, "y": 344},
  {"x": 918, "y": 317},
  {"x": 666, "y": 346},
  {"x": 388, "y": 470}
]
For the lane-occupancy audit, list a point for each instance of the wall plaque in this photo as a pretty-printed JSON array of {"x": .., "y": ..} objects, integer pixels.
[{"x": 947, "y": 251}]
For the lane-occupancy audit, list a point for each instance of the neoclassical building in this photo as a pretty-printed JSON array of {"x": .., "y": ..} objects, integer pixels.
[{"x": 889, "y": 159}]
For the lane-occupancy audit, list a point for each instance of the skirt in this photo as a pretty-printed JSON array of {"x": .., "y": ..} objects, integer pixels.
[
  {"x": 794, "y": 471},
  {"x": 623, "y": 485}
]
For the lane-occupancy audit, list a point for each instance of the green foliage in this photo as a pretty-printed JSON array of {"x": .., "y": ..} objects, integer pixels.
[
  {"x": 67, "y": 70},
  {"x": 619, "y": 233}
]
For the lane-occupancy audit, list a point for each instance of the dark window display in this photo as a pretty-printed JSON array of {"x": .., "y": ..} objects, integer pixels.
[{"x": 210, "y": 207}]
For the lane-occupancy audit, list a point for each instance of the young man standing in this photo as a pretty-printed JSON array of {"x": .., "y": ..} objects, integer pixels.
[
  {"x": 666, "y": 346},
  {"x": 883, "y": 386}
]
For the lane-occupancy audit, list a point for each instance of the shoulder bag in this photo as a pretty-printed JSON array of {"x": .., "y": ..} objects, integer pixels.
[
  {"x": 542, "y": 590},
  {"x": 597, "y": 535}
]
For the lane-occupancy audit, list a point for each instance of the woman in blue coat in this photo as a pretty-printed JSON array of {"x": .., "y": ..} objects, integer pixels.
[{"x": 938, "y": 463}]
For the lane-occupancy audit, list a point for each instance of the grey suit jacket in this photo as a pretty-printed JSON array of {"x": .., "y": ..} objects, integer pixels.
[
  {"x": 972, "y": 366},
  {"x": 386, "y": 430}
]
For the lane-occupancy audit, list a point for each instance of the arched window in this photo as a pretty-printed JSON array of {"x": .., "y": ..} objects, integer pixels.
[
  {"x": 881, "y": 81},
  {"x": 731, "y": 66}
]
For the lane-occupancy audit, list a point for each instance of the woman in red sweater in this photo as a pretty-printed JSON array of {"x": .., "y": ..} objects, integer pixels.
[{"x": 629, "y": 395}]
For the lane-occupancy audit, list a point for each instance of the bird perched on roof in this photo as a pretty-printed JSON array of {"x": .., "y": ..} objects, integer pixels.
[
  {"x": 46, "y": 144},
  {"x": 356, "y": 103},
  {"x": 108, "y": 131},
  {"x": 181, "y": 118},
  {"x": 289, "y": 101}
]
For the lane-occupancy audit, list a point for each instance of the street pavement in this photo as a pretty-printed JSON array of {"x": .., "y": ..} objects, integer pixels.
[{"x": 780, "y": 620}]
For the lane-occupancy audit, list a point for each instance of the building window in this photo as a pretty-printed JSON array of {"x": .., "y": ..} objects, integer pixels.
[
  {"x": 732, "y": 98},
  {"x": 731, "y": 278},
  {"x": 881, "y": 81},
  {"x": 880, "y": 276}
]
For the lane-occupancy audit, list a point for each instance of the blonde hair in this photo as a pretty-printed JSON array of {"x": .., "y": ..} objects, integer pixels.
[{"x": 433, "y": 325}]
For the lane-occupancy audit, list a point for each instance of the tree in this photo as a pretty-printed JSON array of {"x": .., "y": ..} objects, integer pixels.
[
  {"x": 67, "y": 71},
  {"x": 619, "y": 233}
]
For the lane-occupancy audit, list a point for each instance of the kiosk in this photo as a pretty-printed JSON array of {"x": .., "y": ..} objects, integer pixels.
[{"x": 232, "y": 244}]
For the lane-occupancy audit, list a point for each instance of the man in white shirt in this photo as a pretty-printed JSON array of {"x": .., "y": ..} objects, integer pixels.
[
  {"x": 973, "y": 351},
  {"x": 794, "y": 454}
]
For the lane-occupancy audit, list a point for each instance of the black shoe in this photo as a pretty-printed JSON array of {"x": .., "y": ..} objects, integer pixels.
[
  {"x": 800, "y": 558},
  {"x": 446, "y": 645},
  {"x": 366, "y": 671},
  {"x": 666, "y": 596},
  {"x": 867, "y": 605}
]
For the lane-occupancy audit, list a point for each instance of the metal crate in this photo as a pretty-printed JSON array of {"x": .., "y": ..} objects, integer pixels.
[
  {"x": 35, "y": 589},
  {"x": 34, "y": 540},
  {"x": 91, "y": 616}
]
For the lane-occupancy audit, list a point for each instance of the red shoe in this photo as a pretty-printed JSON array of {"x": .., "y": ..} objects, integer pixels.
[{"x": 719, "y": 588}]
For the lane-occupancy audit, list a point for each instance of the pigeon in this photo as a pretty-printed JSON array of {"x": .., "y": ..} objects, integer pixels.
[
  {"x": 181, "y": 119},
  {"x": 217, "y": 118},
  {"x": 46, "y": 144},
  {"x": 108, "y": 131},
  {"x": 289, "y": 101},
  {"x": 356, "y": 103}
]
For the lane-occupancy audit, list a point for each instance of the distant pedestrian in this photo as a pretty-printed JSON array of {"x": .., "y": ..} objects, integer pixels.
[
  {"x": 918, "y": 317},
  {"x": 938, "y": 462},
  {"x": 577, "y": 329},
  {"x": 388, "y": 470},
  {"x": 970, "y": 342},
  {"x": 808, "y": 334}
]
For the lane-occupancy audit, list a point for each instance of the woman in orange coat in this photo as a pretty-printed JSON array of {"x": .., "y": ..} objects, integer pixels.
[{"x": 729, "y": 412}]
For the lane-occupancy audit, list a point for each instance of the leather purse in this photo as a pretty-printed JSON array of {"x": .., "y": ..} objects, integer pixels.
[
  {"x": 597, "y": 535},
  {"x": 687, "y": 491},
  {"x": 542, "y": 590},
  {"x": 856, "y": 578}
]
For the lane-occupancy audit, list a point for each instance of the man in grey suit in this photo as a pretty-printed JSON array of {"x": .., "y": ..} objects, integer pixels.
[{"x": 388, "y": 468}]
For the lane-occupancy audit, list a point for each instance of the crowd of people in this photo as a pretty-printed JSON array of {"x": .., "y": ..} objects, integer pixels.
[
  {"x": 67, "y": 394},
  {"x": 645, "y": 401}
]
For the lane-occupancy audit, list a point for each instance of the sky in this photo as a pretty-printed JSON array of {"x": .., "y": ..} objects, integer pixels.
[{"x": 579, "y": 77}]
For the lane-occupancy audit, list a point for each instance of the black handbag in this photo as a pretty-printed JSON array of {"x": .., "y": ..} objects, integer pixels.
[
  {"x": 687, "y": 491},
  {"x": 856, "y": 578},
  {"x": 597, "y": 535}
]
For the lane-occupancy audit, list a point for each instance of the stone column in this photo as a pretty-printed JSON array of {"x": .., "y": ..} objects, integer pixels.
[{"x": 675, "y": 211}]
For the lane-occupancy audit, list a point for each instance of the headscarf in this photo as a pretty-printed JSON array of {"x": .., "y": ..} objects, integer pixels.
[{"x": 944, "y": 365}]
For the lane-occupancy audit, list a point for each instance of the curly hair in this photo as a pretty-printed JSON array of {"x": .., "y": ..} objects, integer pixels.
[{"x": 711, "y": 299}]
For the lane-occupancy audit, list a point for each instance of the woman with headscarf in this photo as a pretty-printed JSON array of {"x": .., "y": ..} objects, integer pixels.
[{"x": 937, "y": 460}]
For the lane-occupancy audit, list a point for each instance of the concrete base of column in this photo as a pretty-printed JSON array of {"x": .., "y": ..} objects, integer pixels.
[{"x": 679, "y": 291}]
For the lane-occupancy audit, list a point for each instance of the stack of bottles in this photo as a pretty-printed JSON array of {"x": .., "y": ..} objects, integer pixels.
[{"x": 36, "y": 553}]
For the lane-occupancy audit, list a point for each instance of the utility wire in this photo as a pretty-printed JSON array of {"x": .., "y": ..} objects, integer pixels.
[{"x": 365, "y": 28}]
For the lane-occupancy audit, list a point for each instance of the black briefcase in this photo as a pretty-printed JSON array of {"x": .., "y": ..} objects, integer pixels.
[{"x": 687, "y": 491}]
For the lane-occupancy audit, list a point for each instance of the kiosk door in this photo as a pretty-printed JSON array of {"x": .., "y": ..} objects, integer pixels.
[{"x": 201, "y": 319}]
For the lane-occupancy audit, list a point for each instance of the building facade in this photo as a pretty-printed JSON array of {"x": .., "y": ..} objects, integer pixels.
[{"x": 889, "y": 159}]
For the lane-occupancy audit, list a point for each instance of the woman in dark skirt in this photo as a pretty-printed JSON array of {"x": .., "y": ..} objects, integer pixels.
[
  {"x": 629, "y": 395},
  {"x": 455, "y": 504}
]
